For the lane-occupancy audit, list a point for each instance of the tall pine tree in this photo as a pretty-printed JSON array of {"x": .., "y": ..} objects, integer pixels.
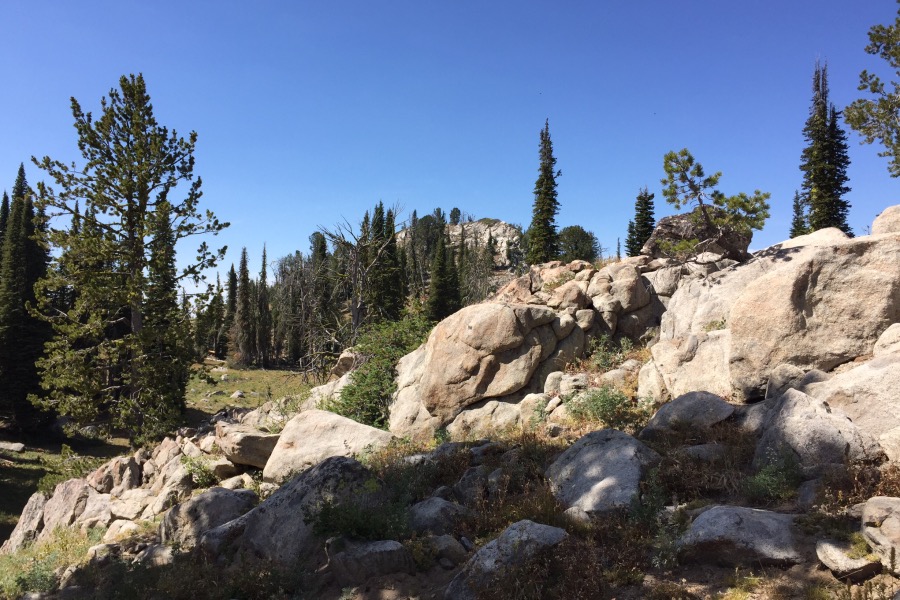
[
  {"x": 641, "y": 228},
  {"x": 824, "y": 161},
  {"x": 543, "y": 238},
  {"x": 799, "y": 220},
  {"x": 443, "y": 291},
  {"x": 263, "y": 316},
  {"x": 241, "y": 337}
]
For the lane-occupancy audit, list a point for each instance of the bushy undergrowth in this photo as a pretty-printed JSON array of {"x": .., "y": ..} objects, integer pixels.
[
  {"x": 611, "y": 407},
  {"x": 367, "y": 397},
  {"x": 199, "y": 470},
  {"x": 776, "y": 481},
  {"x": 34, "y": 568}
]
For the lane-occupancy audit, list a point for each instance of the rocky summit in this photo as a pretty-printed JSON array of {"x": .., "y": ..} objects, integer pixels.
[{"x": 646, "y": 428}]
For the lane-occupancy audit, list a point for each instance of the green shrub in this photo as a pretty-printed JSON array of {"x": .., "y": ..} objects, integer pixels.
[
  {"x": 367, "y": 397},
  {"x": 607, "y": 354},
  {"x": 34, "y": 568},
  {"x": 776, "y": 481},
  {"x": 200, "y": 471},
  {"x": 610, "y": 406},
  {"x": 368, "y": 517}
]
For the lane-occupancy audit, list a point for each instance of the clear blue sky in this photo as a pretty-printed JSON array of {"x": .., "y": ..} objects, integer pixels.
[{"x": 311, "y": 112}]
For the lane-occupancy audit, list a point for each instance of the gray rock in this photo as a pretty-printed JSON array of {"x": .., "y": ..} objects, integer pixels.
[
  {"x": 834, "y": 555},
  {"x": 362, "y": 561},
  {"x": 888, "y": 221},
  {"x": 473, "y": 485},
  {"x": 314, "y": 435},
  {"x": 888, "y": 342},
  {"x": 694, "y": 410},
  {"x": 740, "y": 537},
  {"x": 65, "y": 506},
  {"x": 185, "y": 523},
  {"x": 276, "y": 530},
  {"x": 245, "y": 445},
  {"x": 131, "y": 504},
  {"x": 155, "y": 555},
  {"x": 518, "y": 543},
  {"x": 436, "y": 516},
  {"x": 446, "y": 547},
  {"x": 881, "y": 528},
  {"x": 12, "y": 446},
  {"x": 814, "y": 433},
  {"x": 601, "y": 471},
  {"x": 29, "y": 525}
]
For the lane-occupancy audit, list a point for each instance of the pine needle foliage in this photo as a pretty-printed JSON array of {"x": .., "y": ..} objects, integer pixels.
[
  {"x": 101, "y": 361},
  {"x": 543, "y": 237}
]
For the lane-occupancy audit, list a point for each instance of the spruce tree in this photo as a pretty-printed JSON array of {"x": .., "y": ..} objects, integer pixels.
[
  {"x": 543, "y": 238},
  {"x": 799, "y": 224},
  {"x": 824, "y": 161},
  {"x": 443, "y": 290},
  {"x": 263, "y": 316},
  {"x": 242, "y": 329},
  {"x": 640, "y": 230},
  {"x": 4, "y": 219}
]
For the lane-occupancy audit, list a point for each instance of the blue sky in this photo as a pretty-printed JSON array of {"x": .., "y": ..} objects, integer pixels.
[{"x": 311, "y": 112}]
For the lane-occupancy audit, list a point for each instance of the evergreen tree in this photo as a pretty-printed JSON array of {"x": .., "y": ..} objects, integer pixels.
[
  {"x": 394, "y": 290},
  {"x": 543, "y": 238},
  {"x": 4, "y": 219},
  {"x": 264, "y": 316},
  {"x": 824, "y": 161},
  {"x": 133, "y": 168},
  {"x": 443, "y": 291},
  {"x": 640, "y": 230},
  {"x": 799, "y": 224},
  {"x": 242, "y": 328},
  {"x": 576, "y": 243},
  {"x": 455, "y": 216}
]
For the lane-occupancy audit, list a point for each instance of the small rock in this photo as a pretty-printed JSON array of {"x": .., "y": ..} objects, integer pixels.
[
  {"x": 237, "y": 394},
  {"x": 359, "y": 563},
  {"x": 12, "y": 446},
  {"x": 833, "y": 555}
]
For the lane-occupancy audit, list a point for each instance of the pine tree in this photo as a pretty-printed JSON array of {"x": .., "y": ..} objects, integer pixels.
[
  {"x": 242, "y": 328},
  {"x": 133, "y": 167},
  {"x": 443, "y": 291},
  {"x": 4, "y": 219},
  {"x": 576, "y": 243},
  {"x": 799, "y": 225},
  {"x": 644, "y": 223},
  {"x": 824, "y": 161},
  {"x": 263, "y": 316},
  {"x": 543, "y": 238}
]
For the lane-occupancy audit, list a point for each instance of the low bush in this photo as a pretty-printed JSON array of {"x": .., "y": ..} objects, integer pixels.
[
  {"x": 200, "y": 471},
  {"x": 611, "y": 407},
  {"x": 776, "y": 481},
  {"x": 367, "y": 398}
]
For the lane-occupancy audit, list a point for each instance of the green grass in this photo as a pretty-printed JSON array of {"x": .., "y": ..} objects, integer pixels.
[{"x": 259, "y": 385}]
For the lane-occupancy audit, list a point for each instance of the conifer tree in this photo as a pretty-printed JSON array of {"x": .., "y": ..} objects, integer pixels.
[
  {"x": 576, "y": 243},
  {"x": 640, "y": 230},
  {"x": 824, "y": 161},
  {"x": 242, "y": 328},
  {"x": 799, "y": 225},
  {"x": 4, "y": 219},
  {"x": 263, "y": 316},
  {"x": 543, "y": 238},
  {"x": 443, "y": 291},
  {"x": 133, "y": 167}
]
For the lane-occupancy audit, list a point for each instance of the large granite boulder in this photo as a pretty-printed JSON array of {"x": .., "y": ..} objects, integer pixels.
[
  {"x": 482, "y": 351},
  {"x": 694, "y": 410},
  {"x": 314, "y": 435},
  {"x": 888, "y": 221},
  {"x": 735, "y": 536},
  {"x": 600, "y": 472},
  {"x": 29, "y": 525},
  {"x": 280, "y": 529},
  {"x": 244, "y": 445},
  {"x": 518, "y": 543},
  {"x": 185, "y": 523},
  {"x": 816, "y": 435},
  {"x": 359, "y": 562}
]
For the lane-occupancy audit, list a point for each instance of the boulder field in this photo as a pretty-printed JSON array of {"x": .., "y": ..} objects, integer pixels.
[{"x": 793, "y": 352}]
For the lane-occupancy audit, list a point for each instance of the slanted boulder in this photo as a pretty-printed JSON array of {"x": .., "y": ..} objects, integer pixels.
[
  {"x": 518, "y": 543},
  {"x": 314, "y": 435},
  {"x": 735, "y": 536},
  {"x": 436, "y": 516},
  {"x": 280, "y": 529},
  {"x": 65, "y": 505},
  {"x": 888, "y": 221},
  {"x": 359, "y": 562},
  {"x": 694, "y": 410},
  {"x": 245, "y": 445},
  {"x": 600, "y": 472},
  {"x": 29, "y": 525},
  {"x": 814, "y": 434},
  {"x": 185, "y": 523},
  {"x": 836, "y": 556}
]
